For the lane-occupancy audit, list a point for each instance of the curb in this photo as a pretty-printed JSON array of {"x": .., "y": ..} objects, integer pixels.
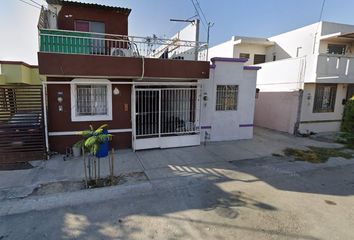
[{"x": 38, "y": 203}]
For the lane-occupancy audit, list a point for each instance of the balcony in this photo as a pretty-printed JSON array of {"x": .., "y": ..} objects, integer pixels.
[
  {"x": 335, "y": 68},
  {"x": 73, "y": 42},
  {"x": 71, "y": 53}
]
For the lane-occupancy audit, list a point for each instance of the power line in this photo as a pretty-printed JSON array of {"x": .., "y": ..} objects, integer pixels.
[
  {"x": 322, "y": 8},
  {"x": 201, "y": 10},
  {"x": 197, "y": 12},
  {"x": 30, "y": 4},
  {"x": 40, "y": 5}
]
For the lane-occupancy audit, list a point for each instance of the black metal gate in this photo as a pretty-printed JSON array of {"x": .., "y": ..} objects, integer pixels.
[{"x": 21, "y": 124}]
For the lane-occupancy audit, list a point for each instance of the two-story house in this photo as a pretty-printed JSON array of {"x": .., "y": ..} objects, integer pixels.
[
  {"x": 306, "y": 76},
  {"x": 97, "y": 74}
]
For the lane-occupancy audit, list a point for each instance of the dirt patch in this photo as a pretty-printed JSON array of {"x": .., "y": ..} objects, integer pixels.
[
  {"x": 73, "y": 186},
  {"x": 329, "y": 202},
  {"x": 317, "y": 154}
]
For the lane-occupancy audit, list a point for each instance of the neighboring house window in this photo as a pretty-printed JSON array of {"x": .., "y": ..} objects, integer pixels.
[
  {"x": 226, "y": 97},
  {"x": 274, "y": 57},
  {"x": 91, "y": 102},
  {"x": 325, "y": 98},
  {"x": 259, "y": 58},
  {"x": 336, "y": 49},
  {"x": 245, "y": 55}
]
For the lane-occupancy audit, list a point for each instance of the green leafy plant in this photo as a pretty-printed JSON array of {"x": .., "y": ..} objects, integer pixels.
[
  {"x": 93, "y": 138},
  {"x": 348, "y": 117},
  {"x": 347, "y": 127}
]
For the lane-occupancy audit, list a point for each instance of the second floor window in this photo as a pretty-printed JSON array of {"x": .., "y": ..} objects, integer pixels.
[
  {"x": 336, "y": 49},
  {"x": 226, "y": 97},
  {"x": 96, "y": 45},
  {"x": 325, "y": 98},
  {"x": 245, "y": 55},
  {"x": 259, "y": 58}
]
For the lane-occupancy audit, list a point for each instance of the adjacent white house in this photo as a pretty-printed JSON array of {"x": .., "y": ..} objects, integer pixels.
[
  {"x": 228, "y": 100},
  {"x": 306, "y": 75}
]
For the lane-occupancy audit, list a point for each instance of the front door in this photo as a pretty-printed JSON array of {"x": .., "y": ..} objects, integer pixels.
[{"x": 166, "y": 117}]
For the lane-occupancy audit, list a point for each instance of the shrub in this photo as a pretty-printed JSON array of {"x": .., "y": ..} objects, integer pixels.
[{"x": 348, "y": 117}]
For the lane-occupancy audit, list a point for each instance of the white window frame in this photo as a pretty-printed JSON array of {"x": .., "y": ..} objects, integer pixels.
[{"x": 73, "y": 89}]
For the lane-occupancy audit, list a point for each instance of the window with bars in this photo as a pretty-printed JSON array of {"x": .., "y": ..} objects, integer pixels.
[
  {"x": 259, "y": 58},
  {"x": 336, "y": 49},
  {"x": 91, "y": 100},
  {"x": 226, "y": 97},
  {"x": 325, "y": 98}
]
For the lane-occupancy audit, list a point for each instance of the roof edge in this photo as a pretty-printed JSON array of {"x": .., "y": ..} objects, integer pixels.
[
  {"x": 93, "y": 5},
  {"x": 18, "y": 63}
]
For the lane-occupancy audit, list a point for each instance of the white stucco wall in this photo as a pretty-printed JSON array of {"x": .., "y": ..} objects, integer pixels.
[
  {"x": 229, "y": 125},
  {"x": 287, "y": 44},
  {"x": 281, "y": 76},
  {"x": 222, "y": 50}
]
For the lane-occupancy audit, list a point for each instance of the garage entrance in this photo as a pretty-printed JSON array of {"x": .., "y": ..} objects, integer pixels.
[
  {"x": 21, "y": 124},
  {"x": 165, "y": 117}
]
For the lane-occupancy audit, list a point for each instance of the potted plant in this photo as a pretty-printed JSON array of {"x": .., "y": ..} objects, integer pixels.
[
  {"x": 77, "y": 148},
  {"x": 96, "y": 141}
]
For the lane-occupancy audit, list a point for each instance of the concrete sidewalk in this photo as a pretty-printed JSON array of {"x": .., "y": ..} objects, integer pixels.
[{"x": 157, "y": 164}]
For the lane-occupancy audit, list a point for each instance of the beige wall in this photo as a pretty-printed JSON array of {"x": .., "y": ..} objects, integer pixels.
[
  {"x": 18, "y": 73},
  {"x": 277, "y": 110},
  {"x": 251, "y": 49}
]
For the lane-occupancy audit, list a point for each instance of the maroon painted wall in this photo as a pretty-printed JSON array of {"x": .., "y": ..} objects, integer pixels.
[
  {"x": 116, "y": 22},
  {"x": 86, "y": 65},
  {"x": 61, "y": 121}
]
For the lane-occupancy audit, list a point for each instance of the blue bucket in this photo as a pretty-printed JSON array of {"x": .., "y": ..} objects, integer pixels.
[{"x": 104, "y": 147}]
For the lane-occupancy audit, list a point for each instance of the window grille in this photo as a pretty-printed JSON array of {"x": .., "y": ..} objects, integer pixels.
[
  {"x": 325, "y": 98},
  {"x": 226, "y": 97},
  {"x": 259, "y": 58},
  {"x": 91, "y": 100},
  {"x": 336, "y": 49}
]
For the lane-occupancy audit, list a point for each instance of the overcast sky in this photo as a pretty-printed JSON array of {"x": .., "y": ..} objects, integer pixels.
[{"x": 259, "y": 18}]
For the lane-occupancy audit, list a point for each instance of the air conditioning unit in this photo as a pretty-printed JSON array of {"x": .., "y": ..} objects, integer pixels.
[{"x": 121, "y": 52}]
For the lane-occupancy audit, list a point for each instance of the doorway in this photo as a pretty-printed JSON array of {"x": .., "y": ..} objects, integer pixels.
[{"x": 166, "y": 117}]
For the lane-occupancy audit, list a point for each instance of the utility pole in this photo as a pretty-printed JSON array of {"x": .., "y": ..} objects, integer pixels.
[
  {"x": 210, "y": 25},
  {"x": 197, "y": 25}
]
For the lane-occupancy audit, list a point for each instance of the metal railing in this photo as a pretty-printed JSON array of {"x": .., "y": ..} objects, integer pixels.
[{"x": 74, "y": 42}]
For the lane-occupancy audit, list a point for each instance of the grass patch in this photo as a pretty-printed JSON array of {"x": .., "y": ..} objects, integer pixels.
[
  {"x": 347, "y": 139},
  {"x": 316, "y": 154}
]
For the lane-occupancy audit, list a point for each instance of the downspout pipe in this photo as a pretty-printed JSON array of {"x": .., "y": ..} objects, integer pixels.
[{"x": 44, "y": 99}]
